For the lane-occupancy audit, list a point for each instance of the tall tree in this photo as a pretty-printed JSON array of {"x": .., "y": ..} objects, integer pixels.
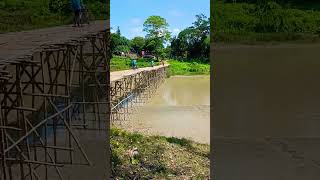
[
  {"x": 137, "y": 43},
  {"x": 194, "y": 41},
  {"x": 157, "y": 31},
  {"x": 118, "y": 31},
  {"x": 119, "y": 43}
]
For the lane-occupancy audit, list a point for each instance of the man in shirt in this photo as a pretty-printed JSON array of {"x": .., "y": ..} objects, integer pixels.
[{"x": 76, "y": 6}]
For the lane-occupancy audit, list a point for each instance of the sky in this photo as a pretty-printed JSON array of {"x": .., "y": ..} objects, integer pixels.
[{"x": 129, "y": 15}]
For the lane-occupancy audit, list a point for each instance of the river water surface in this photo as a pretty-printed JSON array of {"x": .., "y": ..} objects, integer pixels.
[
  {"x": 267, "y": 112},
  {"x": 180, "y": 108},
  {"x": 271, "y": 90}
]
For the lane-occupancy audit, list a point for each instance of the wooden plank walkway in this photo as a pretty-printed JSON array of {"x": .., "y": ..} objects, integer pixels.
[
  {"x": 16, "y": 45},
  {"x": 117, "y": 75}
]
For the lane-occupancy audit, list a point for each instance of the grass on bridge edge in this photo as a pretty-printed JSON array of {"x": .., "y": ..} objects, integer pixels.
[{"x": 159, "y": 157}]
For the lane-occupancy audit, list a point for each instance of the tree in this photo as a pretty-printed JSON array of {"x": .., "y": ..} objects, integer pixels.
[
  {"x": 157, "y": 31},
  {"x": 194, "y": 41},
  {"x": 118, "y": 31},
  {"x": 138, "y": 43},
  {"x": 202, "y": 26},
  {"x": 156, "y": 27},
  {"x": 119, "y": 43}
]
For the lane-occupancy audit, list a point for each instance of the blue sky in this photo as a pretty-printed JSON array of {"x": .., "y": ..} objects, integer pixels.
[{"x": 129, "y": 15}]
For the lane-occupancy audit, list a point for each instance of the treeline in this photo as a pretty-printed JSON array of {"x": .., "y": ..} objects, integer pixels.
[
  {"x": 18, "y": 15},
  {"x": 278, "y": 1},
  {"x": 191, "y": 44},
  {"x": 300, "y": 4},
  {"x": 263, "y": 20}
]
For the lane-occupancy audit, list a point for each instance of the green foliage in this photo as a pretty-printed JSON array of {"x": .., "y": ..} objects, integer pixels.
[
  {"x": 138, "y": 43},
  {"x": 59, "y": 6},
  {"x": 156, "y": 27},
  {"x": 188, "y": 68},
  {"x": 119, "y": 43},
  {"x": 263, "y": 20},
  {"x": 31, "y": 14},
  {"x": 119, "y": 63},
  {"x": 153, "y": 45},
  {"x": 157, "y": 31},
  {"x": 118, "y": 31},
  {"x": 193, "y": 42}
]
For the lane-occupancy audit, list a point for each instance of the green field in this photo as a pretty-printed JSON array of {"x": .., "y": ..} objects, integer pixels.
[{"x": 159, "y": 157}]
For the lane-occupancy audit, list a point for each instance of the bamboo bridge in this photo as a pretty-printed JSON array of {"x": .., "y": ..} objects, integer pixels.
[
  {"x": 57, "y": 98},
  {"x": 54, "y": 102},
  {"x": 130, "y": 89}
]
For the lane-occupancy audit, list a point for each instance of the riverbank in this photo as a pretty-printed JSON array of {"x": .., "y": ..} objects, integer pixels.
[
  {"x": 188, "y": 68},
  {"x": 119, "y": 63},
  {"x": 255, "y": 23},
  {"x": 159, "y": 157}
]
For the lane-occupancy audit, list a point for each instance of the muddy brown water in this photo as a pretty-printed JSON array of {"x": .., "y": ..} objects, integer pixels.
[
  {"x": 267, "y": 91},
  {"x": 180, "y": 108}
]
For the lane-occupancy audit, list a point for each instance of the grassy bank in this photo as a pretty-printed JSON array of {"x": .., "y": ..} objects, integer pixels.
[
  {"x": 33, "y": 14},
  {"x": 176, "y": 67},
  {"x": 119, "y": 63},
  {"x": 188, "y": 68},
  {"x": 256, "y": 22},
  {"x": 159, "y": 157}
]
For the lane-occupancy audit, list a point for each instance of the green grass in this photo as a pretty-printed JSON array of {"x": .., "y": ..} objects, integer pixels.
[
  {"x": 188, "y": 68},
  {"x": 159, "y": 157},
  {"x": 244, "y": 22},
  {"x": 119, "y": 63},
  {"x": 33, "y": 14},
  {"x": 176, "y": 67}
]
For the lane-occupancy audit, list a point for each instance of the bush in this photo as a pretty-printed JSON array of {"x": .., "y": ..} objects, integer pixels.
[
  {"x": 188, "y": 68},
  {"x": 260, "y": 21}
]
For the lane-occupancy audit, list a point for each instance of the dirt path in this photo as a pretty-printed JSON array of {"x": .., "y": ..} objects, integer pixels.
[{"x": 18, "y": 44}]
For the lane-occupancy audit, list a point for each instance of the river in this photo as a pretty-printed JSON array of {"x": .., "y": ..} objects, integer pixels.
[
  {"x": 179, "y": 108},
  {"x": 267, "y": 112},
  {"x": 268, "y": 91}
]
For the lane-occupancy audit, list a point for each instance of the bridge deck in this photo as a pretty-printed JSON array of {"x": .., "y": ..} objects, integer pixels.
[
  {"x": 16, "y": 45},
  {"x": 117, "y": 75}
]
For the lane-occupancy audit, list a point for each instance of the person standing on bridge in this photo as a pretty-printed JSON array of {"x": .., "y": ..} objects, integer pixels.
[
  {"x": 162, "y": 62},
  {"x": 152, "y": 63},
  {"x": 77, "y": 7},
  {"x": 134, "y": 64}
]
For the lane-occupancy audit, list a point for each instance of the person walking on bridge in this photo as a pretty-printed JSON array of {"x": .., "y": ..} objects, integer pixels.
[
  {"x": 152, "y": 63},
  {"x": 77, "y": 7},
  {"x": 134, "y": 64},
  {"x": 162, "y": 62}
]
